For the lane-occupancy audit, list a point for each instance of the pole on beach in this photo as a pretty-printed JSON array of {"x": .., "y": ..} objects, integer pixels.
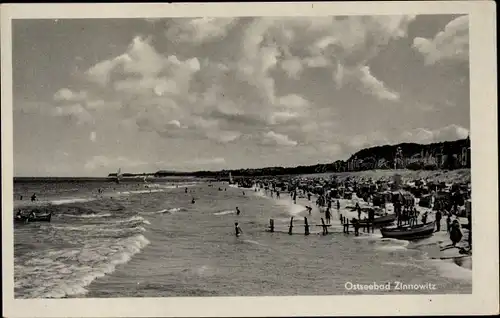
[
  {"x": 291, "y": 226},
  {"x": 306, "y": 226}
]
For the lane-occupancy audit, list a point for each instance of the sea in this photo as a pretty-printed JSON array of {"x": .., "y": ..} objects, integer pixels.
[{"x": 175, "y": 237}]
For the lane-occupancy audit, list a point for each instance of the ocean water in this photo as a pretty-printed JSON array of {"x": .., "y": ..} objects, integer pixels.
[{"x": 150, "y": 240}]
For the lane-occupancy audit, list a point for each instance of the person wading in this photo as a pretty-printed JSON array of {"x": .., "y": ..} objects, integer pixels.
[
  {"x": 327, "y": 215},
  {"x": 237, "y": 229}
]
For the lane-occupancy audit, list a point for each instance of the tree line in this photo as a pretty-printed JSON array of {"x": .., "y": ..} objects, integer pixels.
[{"x": 447, "y": 155}]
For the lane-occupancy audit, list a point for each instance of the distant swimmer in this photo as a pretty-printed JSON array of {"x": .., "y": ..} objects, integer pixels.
[
  {"x": 186, "y": 190},
  {"x": 238, "y": 211},
  {"x": 243, "y": 192},
  {"x": 33, "y": 197},
  {"x": 237, "y": 230},
  {"x": 193, "y": 201}
]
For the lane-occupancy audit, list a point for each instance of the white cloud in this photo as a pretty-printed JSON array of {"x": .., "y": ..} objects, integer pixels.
[
  {"x": 283, "y": 116},
  {"x": 448, "y": 133},
  {"x": 175, "y": 123},
  {"x": 339, "y": 75},
  {"x": 293, "y": 101},
  {"x": 450, "y": 44},
  {"x": 101, "y": 72},
  {"x": 141, "y": 59},
  {"x": 292, "y": 67},
  {"x": 100, "y": 104},
  {"x": 316, "y": 62},
  {"x": 75, "y": 111},
  {"x": 65, "y": 94},
  {"x": 278, "y": 139},
  {"x": 199, "y": 30},
  {"x": 375, "y": 86}
]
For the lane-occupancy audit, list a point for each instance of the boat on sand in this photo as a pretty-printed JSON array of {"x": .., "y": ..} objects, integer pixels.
[
  {"x": 409, "y": 232},
  {"x": 381, "y": 220}
]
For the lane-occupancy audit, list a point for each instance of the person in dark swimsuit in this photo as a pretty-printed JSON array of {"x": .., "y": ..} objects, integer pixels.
[
  {"x": 238, "y": 211},
  {"x": 328, "y": 215},
  {"x": 237, "y": 229}
]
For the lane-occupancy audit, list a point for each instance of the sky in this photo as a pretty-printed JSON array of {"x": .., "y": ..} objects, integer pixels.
[{"x": 187, "y": 94}]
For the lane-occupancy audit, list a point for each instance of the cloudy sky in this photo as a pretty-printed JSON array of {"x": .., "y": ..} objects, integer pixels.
[{"x": 91, "y": 96}]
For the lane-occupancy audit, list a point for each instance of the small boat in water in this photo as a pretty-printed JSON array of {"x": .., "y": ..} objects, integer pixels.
[
  {"x": 32, "y": 216},
  {"x": 409, "y": 233}
]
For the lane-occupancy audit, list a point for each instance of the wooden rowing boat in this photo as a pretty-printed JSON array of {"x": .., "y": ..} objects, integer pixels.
[
  {"x": 409, "y": 233},
  {"x": 25, "y": 217},
  {"x": 382, "y": 220}
]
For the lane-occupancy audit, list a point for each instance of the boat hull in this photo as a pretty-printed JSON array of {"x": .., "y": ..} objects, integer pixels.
[
  {"x": 36, "y": 218},
  {"x": 382, "y": 220},
  {"x": 409, "y": 233}
]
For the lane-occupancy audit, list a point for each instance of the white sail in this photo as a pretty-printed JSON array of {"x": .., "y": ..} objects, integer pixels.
[{"x": 118, "y": 175}]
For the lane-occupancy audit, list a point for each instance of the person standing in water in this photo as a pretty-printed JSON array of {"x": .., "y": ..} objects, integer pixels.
[
  {"x": 238, "y": 211},
  {"x": 295, "y": 197},
  {"x": 237, "y": 229},
  {"x": 328, "y": 215},
  {"x": 338, "y": 205},
  {"x": 33, "y": 197}
]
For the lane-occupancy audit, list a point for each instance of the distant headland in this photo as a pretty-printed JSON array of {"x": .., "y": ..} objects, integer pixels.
[{"x": 448, "y": 155}]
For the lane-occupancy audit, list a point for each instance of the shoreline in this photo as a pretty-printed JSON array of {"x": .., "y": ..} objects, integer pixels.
[{"x": 432, "y": 247}]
